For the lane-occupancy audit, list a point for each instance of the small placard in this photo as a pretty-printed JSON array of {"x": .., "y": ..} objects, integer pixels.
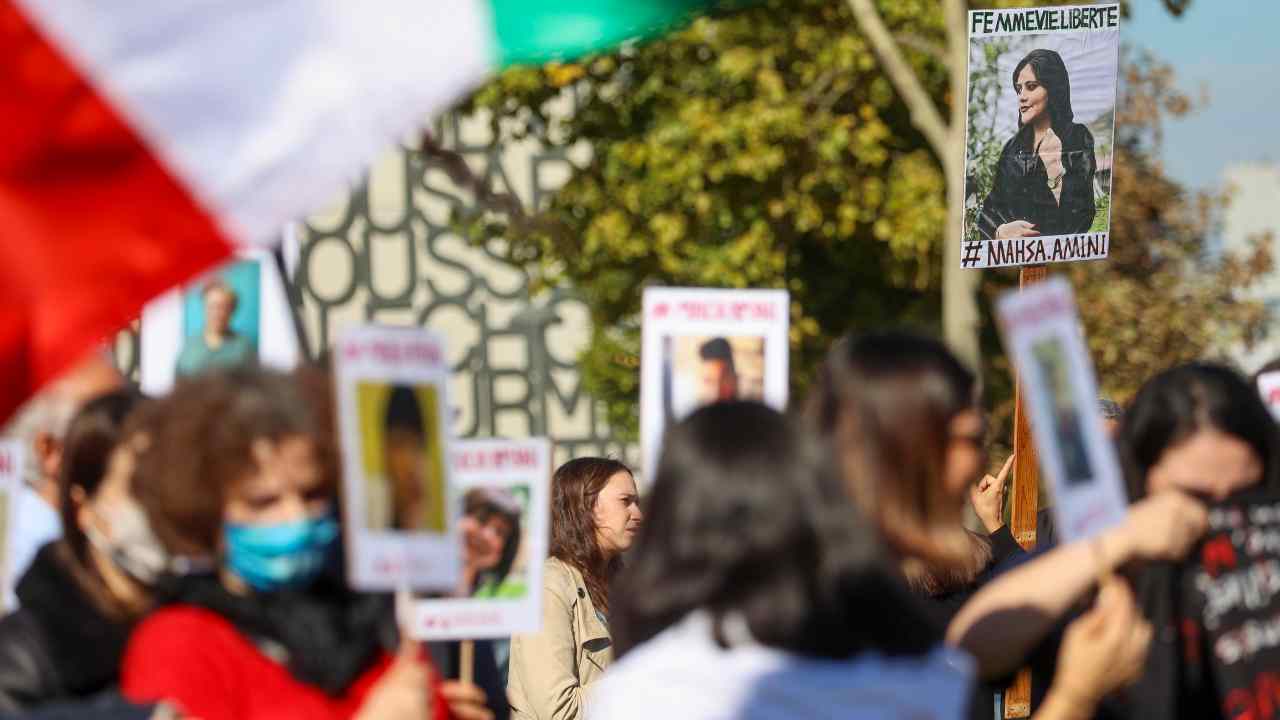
[
  {"x": 500, "y": 491},
  {"x": 1043, "y": 336},
  {"x": 701, "y": 346},
  {"x": 401, "y": 532}
]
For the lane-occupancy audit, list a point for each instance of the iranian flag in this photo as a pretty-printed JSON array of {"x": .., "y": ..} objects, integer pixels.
[{"x": 141, "y": 142}]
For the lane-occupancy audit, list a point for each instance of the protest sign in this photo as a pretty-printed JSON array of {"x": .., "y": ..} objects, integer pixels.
[
  {"x": 392, "y": 401},
  {"x": 1269, "y": 388},
  {"x": 1039, "y": 135},
  {"x": 234, "y": 315},
  {"x": 501, "y": 491},
  {"x": 12, "y": 456},
  {"x": 1042, "y": 334},
  {"x": 1230, "y": 631},
  {"x": 701, "y": 346}
]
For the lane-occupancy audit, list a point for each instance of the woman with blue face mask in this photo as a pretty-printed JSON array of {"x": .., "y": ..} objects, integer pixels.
[{"x": 244, "y": 472}]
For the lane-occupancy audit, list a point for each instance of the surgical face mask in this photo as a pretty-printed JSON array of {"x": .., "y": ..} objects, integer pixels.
[
  {"x": 129, "y": 541},
  {"x": 280, "y": 556}
]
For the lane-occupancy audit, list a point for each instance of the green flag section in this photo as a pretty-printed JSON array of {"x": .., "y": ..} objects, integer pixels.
[{"x": 538, "y": 31}]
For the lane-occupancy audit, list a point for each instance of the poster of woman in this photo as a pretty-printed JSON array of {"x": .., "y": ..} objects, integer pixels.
[{"x": 1039, "y": 145}]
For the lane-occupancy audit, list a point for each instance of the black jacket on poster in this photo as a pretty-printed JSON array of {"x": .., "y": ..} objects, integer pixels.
[
  {"x": 1021, "y": 188},
  {"x": 59, "y": 645}
]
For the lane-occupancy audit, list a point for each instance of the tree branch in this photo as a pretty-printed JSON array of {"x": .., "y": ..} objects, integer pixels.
[
  {"x": 924, "y": 114},
  {"x": 921, "y": 44}
]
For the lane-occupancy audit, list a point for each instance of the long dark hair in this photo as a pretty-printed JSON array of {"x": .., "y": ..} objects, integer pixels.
[
  {"x": 886, "y": 401},
  {"x": 480, "y": 504},
  {"x": 1175, "y": 404},
  {"x": 750, "y": 518},
  {"x": 92, "y": 437},
  {"x": 1051, "y": 72},
  {"x": 574, "y": 489}
]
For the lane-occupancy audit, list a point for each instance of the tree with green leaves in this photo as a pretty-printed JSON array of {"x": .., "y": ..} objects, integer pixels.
[{"x": 769, "y": 148}]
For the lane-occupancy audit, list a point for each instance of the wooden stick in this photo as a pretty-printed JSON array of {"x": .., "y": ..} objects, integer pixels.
[
  {"x": 1025, "y": 504},
  {"x": 467, "y": 661}
]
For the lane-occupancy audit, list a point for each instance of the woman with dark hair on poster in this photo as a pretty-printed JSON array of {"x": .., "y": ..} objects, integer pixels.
[
  {"x": 595, "y": 515},
  {"x": 1044, "y": 178},
  {"x": 491, "y": 541}
]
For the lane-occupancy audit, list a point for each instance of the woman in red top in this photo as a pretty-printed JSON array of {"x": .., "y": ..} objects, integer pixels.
[{"x": 243, "y": 471}]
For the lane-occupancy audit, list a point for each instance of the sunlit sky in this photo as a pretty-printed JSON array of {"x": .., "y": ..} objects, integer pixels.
[{"x": 1229, "y": 47}]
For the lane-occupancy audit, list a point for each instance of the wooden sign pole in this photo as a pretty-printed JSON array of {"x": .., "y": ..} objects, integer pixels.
[{"x": 1025, "y": 503}]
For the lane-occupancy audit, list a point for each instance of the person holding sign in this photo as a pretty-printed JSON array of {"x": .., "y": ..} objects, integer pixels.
[
  {"x": 595, "y": 516},
  {"x": 756, "y": 591},
  {"x": 1044, "y": 178},
  {"x": 243, "y": 470}
]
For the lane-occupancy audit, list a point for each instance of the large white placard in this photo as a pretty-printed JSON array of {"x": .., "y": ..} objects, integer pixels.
[
  {"x": 1040, "y": 133},
  {"x": 1042, "y": 333},
  {"x": 401, "y": 533},
  {"x": 702, "y": 345},
  {"x": 501, "y": 490}
]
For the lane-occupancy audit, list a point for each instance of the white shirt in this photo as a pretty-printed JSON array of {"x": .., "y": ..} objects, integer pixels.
[
  {"x": 35, "y": 523},
  {"x": 682, "y": 673}
]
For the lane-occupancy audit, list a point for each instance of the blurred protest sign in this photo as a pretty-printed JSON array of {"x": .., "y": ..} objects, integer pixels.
[
  {"x": 702, "y": 346},
  {"x": 1269, "y": 387},
  {"x": 1042, "y": 334},
  {"x": 12, "y": 457},
  {"x": 500, "y": 488},
  {"x": 391, "y": 403},
  {"x": 235, "y": 315},
  {"x": 1039, "y": 136}
]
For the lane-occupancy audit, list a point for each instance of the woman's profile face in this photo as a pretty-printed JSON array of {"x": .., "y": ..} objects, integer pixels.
[
  {"x": 1033, "y": 98},
  {"x": 286, "y": 486},
  {"x": 1209, "y": 463},
  {"x": 617, "y": 514},
  {"x": 966, "y": 452}
]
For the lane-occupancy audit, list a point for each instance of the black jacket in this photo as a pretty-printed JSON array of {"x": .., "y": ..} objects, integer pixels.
[
  {"x": 59, "y": 645},
  {"x": 1021, "y": 188}
]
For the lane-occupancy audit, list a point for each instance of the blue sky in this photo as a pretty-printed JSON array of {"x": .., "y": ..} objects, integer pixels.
[{"x": 1229, "y": 47}]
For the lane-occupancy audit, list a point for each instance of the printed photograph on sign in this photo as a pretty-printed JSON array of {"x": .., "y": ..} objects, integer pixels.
[
  {"x": 399, "y": 520},
  {"x": 236, "y": 315},
  {"x": 400, "y": 450},
  {"x": 501, "y": 494},
  {"x": 1040, "y": 135},
  {"x": 702, "y": 346},
  {"x": 1041, "y": 330},
  {"x": 702, "y": 369},
  {"x": 1064, "y": 414}
]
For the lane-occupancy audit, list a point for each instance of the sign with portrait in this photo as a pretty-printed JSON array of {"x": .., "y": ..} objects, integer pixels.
[
  {"x": 392, "y": 402},
  {"x": 1042, "y": 334},
  {"x": 500, "y": 491},
  {"x": 1269, "y": 388},
  {"x": 12, "y": 456},
  {"x": 1040, "y": 134},
  {"x": 236, "y": 315},
  {"x": 703, "y": 345}
]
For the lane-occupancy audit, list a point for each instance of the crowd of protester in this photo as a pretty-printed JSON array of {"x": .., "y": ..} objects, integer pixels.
[{"x": 814, "y": 564}]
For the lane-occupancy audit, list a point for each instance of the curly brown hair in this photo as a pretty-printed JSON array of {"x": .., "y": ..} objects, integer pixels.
[
  {"x": 202, "y": 446},
  {"x": 574, "y": 489}
]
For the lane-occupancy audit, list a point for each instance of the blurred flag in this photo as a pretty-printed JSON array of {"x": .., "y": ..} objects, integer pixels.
[{"x": 142, "y": 141}]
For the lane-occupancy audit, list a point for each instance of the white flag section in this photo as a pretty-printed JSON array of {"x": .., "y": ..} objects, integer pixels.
[
  {"x": 12, "y": 456},
  {"x": 234, "y": 315},
  {"x": 502, "y": 490},
  {"x": 401, "y": 533},
  {"x": 703, "y": 345},
  {"x": 264, "y": 107},
  {"x": 1041, "y": 332}
]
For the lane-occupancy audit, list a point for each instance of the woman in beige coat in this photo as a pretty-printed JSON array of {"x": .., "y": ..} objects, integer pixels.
[{"x": 595, "y": 515}]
